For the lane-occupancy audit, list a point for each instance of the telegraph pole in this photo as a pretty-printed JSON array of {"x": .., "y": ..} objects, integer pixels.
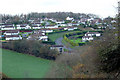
[{"x": 118, "y": 23}]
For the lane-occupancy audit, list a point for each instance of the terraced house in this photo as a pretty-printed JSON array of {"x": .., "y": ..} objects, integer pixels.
[
  {"x": 13, "y": 37},
  {"x": 12, "y": 32}
]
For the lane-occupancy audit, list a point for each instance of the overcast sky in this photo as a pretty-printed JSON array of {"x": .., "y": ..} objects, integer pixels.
[{"x": 103, "y": 8}]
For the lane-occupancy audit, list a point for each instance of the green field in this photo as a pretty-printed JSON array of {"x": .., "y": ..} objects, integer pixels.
[
  {"x": 54, "y": 36},
  {"x": 18, "y": 65},
  {"x": 67, "y": 44}
]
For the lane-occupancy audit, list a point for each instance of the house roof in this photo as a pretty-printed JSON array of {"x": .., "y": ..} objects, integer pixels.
[
  {"x": 56, "y": 45},
  {"x": 12, "y": 31},
  {"x": 37, "y": 35},
  {"x": 50, "y": 25},
  {"x": 35, "y": 26},
  {"x": 22, "y": 26},
  {"x": 87, "y": 37},
  {"x": 11, "y": 36},
  {"x": 46, "y": 29},
  {"x": 7, "y": 24},
  {"x": 38, "y": 31},
  {"x": 70, "y": 27},
  {"x": 9, "y": 27},
  {"x": 92, "y": 33}
]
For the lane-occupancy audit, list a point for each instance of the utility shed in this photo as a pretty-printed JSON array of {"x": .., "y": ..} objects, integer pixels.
[{"x": 59, "y": 48}]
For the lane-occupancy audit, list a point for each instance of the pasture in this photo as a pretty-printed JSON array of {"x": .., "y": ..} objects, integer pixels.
[{"x": 18, "y": 65}]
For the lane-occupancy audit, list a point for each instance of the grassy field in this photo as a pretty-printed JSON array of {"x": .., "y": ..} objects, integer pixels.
[
  {"x": 17, "y": 65},
  {"x": 67, "y": 44},
  {"x": 54, "y": 36}
]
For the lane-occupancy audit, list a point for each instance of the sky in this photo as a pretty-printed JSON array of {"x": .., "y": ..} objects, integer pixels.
[{"x": 102, "y": 8}]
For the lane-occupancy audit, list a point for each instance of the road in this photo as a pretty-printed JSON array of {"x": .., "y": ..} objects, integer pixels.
[{"x": 59, "y": 42}]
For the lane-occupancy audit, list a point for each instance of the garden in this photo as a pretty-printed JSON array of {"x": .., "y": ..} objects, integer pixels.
[{"x": 75, "y": 38}]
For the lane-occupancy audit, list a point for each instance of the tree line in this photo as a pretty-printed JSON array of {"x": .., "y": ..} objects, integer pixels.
[{"x": 31, "y": 47}]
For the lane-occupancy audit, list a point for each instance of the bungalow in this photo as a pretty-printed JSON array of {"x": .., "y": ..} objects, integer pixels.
[
  {"x": 36, "y": 23},
  {"x": 60, "y": 22},
  {"x": 72, "y": 28},
  {"x": 68, "y": 18},
  {"x": 69, "y": 24},
  {"x": 43, "y": 37},
  {"x": 39, "y": 32},
  {"x": 38, "y": 36},
  {"x": 13, "y": 37},
  {"x": 36, "y": 27},
  {"x": 24, "y": 35},
  {"x": 28, "y": 32},
  {"x": 75, "y": 24},
  {"x": 65, "y": 28},
  {"x": 87, "y": 38},
  {"x": 11, "y": 32},
  {"x": 101, "y": 27},
  {"x": 8, "y": 28},
  {"x": 92, "y": 34},
  {"x": 51, "y": 26},
  {"x": 47, "y": 30},
  {"x": 23, "y": 26},
  {"x": 5, "y": 25},
  {"x": 59, "y": 48}
]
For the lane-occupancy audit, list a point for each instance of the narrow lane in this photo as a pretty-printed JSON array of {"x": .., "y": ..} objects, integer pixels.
[{"x": 59, "y": 42}]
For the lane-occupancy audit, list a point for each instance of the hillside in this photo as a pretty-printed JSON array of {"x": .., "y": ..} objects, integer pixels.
[{"x": 17, "y": 65}]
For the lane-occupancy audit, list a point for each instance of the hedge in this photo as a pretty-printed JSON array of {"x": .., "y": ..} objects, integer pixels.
[
  {"x": 48, "y": 42},
  {"x": 74, "y": 33},
  {"x": 71, "y": 42},
  {"x": 59, "y": 31}
]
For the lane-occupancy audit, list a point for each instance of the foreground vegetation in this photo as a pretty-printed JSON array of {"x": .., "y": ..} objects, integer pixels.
[
  {"x": 31, "y": 47},
  {"x": 17, "y": 65},
  {"x": 98, "y": 59}
]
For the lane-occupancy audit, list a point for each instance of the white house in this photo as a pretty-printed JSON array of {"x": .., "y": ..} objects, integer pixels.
[
  {"x": 11, "y": 32},
  {"x": 72, "y": 28},
  {"x": 13, "y": 37},
  {"x": 47, "y": 30},
  {"x": 69, "y": 24},
  {"x": 68, "y": 18},
  {"x": 43, "y": 37},
  {"x": 36, "y": 27},
  {"x": 92, "y": 34},
  {"x": 75, "y": 24},
  {"x": 38, "y": 36},
  {"x": 60, "y": 22},
  {"x": 87, "y": 38},
  {"x": 65, "y": 28},
  {"x": 101, "y": 27},
  {"x": 39, "y": 32},
  {"x": 59, "y": 48},
  {"x": 23, "y": 26},
  {"x": 6, "y": 25},
  {"x": 8, "y": 28},
  {"x": 36, "y": 24},
  {"x": 51, "y": 26}
]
